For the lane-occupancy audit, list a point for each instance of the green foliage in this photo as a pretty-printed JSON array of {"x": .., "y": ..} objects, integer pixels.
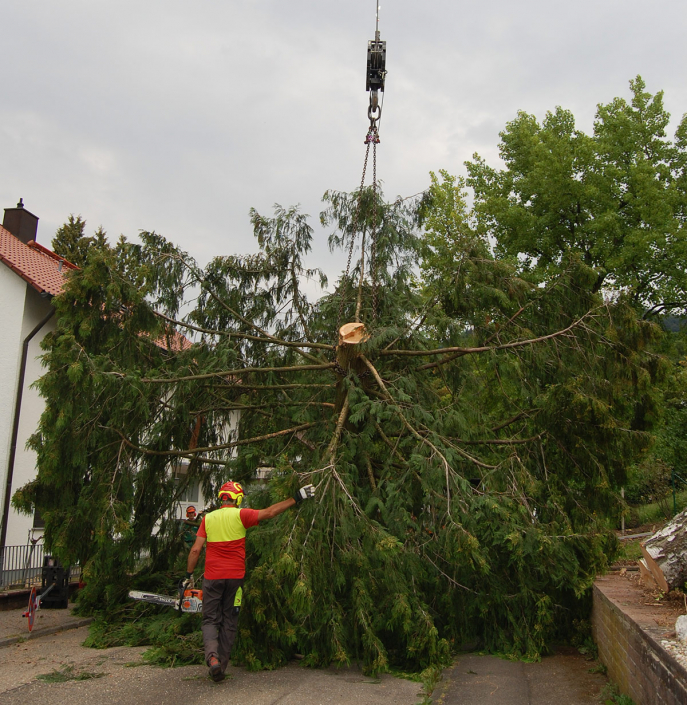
[
  {"x": 466, "y": 464},
  {"x": 599, "y": 668},
  {"x": 72, "y": 243},
  {"x": 649, "y": 482},
  {"x": 616, "y": 198},
  {"x": 630, "y": 550},
  {"x": 611, "y": 696},
  {"x": 658, "y": 512},
  {"x": 175, "y": 640},
  {"x": 68, "y": 673}
]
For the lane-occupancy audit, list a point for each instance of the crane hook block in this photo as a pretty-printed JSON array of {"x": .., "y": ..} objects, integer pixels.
[{"x": 376, "y": 65}]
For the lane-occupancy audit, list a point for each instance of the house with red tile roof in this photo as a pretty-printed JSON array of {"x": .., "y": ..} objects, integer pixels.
[{"x": 30, "y": 275}]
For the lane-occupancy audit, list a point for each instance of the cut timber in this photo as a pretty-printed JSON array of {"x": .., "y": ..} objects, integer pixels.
[
  {"x": 665, "y": 554},
  {"x": 646, "y": 576},
  {"x": 352, "y": 333}
]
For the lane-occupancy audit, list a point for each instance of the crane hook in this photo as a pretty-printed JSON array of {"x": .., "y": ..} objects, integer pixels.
[{"x": 376, "y": 72}]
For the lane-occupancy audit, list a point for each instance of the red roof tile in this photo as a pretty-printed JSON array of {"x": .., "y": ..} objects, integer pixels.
[
  {"x": 36, "y": 264},
  {"x": 41, "y": 268},
  {"x": 173, "y": 341}
]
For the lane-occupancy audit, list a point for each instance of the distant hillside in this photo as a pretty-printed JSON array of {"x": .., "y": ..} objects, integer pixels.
[{"x": 674, "y": 324}]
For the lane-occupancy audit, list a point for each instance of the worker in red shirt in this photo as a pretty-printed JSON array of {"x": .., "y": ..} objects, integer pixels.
[{"x": 225, "y": 567}]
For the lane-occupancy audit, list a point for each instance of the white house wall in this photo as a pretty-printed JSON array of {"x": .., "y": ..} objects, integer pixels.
[
  {"x": 32, "y": 406},
  {"x": 32, "y": 309},
  {"x": 12, "y": 299}
]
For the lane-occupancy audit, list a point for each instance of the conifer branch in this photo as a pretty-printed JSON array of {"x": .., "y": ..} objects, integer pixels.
[
  {"x": 245, "y": 336},
  {"x": 331, "y": 450},
  {"x": 392, "y": 447},
  {"x": 370, "y": 473},
  {"x": 192, "y": 452},
  {"x": 258, "y": 407},
  {"x": 497, "y": 441},
  {"x": 252, "y": 387},
  {"x": 232, "y": 373},
  {"x": 510, "y": 421},
  {"x": 467, "y": 456},
  {"x": 519, "y": 312},
  {"x": 413, "y": 431},
  {"x": 252, "y": 325},
  {"x": 486, "y": 348},
  {"x": 450, "y": 579}
]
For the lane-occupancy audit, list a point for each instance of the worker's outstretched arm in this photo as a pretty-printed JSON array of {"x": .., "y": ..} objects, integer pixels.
[
  {"x": 307, "y": 492},
  {"x": 194, "y": 554}
]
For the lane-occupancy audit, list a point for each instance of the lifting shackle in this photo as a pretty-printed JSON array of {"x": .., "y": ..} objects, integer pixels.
[{"x": 376, "y": 73}]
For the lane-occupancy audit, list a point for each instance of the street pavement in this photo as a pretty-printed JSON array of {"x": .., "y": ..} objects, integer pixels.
[
  {"x": 14, "y": 627},
  {"x": 124, "y": 681},
  {"x": 119, "y": 676},
  {"x": 560, "y": 679}
]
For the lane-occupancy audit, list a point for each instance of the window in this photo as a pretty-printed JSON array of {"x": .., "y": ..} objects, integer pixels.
[{"x": 191, "y": 493}]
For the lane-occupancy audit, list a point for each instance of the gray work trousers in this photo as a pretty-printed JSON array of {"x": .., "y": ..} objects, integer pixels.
[{"x": 219, "y": 618}]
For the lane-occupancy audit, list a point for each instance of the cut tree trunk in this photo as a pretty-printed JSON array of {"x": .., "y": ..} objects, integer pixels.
[
  {"x": 645, "y": 575},
  {"x": 347, "y": 354},
  {"x": 665, "y": 554}
]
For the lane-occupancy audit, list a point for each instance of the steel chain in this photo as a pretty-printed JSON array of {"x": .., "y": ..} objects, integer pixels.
[
  {"x": 344, "y": 283},
  {"x": 373, "y": 258}
]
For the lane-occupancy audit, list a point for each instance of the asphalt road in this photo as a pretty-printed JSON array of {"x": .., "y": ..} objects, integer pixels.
[
  {"x": 561, "y": 679},
  {"x": 124, "y": 682},
  {"x": 115, "y": 676}
]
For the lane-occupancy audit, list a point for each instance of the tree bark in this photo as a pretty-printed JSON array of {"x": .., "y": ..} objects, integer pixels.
[
  {"x": 347, "y": 357},
  {"x": 665, "y": 554}
]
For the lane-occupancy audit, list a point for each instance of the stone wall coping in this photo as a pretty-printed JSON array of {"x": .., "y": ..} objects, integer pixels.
[{"x": 649, "y": 622}]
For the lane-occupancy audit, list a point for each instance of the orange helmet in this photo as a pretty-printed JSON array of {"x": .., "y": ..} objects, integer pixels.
[
  {"x": 233, "y": 491},
  {"x": 190, "y": 510}
]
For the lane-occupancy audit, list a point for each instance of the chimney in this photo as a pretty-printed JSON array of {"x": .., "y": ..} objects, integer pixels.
[{"x": 20, "y": 222}]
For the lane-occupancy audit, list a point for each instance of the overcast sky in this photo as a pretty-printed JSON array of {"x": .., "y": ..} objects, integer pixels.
[{"x": 180, "y": 116}]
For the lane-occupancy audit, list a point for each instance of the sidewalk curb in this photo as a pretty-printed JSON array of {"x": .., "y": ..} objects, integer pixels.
[{"x": 31, "y": 636}]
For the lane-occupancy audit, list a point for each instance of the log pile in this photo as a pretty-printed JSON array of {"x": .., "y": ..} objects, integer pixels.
[{"x": 665, "y": 554}]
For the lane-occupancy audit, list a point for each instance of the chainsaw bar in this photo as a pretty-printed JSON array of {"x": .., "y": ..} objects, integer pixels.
[{"x": 154, "y": 599}]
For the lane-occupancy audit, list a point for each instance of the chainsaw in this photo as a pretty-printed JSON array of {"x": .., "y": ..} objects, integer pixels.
[{"x": 189, "y": 600}]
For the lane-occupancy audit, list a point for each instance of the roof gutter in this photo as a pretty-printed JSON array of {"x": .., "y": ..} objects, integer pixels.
[{"x": 15, "y": 430}]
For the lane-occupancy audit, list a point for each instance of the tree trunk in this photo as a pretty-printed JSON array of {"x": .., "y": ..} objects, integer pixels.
[
  {"x": 665, "y": 554},
  {"x": 347, "y": 354}
]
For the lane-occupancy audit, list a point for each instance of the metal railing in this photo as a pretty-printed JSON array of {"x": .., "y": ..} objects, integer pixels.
[{"x": 22, "y": 567}]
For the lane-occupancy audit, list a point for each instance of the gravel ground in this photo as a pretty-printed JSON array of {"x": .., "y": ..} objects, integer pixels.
[{"x": 677, "y": 649}]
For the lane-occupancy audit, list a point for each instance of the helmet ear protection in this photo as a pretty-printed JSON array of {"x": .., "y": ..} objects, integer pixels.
[{"x": 231, "y": 491}]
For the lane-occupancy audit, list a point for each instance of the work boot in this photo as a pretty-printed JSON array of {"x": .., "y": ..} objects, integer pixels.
[{"x": 216, "y": 672}]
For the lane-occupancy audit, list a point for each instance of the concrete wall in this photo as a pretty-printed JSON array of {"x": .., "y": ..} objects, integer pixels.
[
  {"x": 628, "y": 635},
  {"x": 22, "y": 309}
]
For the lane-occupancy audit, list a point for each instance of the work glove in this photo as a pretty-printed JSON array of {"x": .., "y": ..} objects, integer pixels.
[
  {"x": 184, "y": 583},
  {"x": 307, "y": 492}
]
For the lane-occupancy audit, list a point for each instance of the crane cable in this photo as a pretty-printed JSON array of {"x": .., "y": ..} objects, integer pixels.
[{"x": 376, "y": 70}]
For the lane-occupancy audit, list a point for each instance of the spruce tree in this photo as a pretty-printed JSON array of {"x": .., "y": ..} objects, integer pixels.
[
  {"x": 72, "y": 243},
  {"x": 465, "y": 460}
]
